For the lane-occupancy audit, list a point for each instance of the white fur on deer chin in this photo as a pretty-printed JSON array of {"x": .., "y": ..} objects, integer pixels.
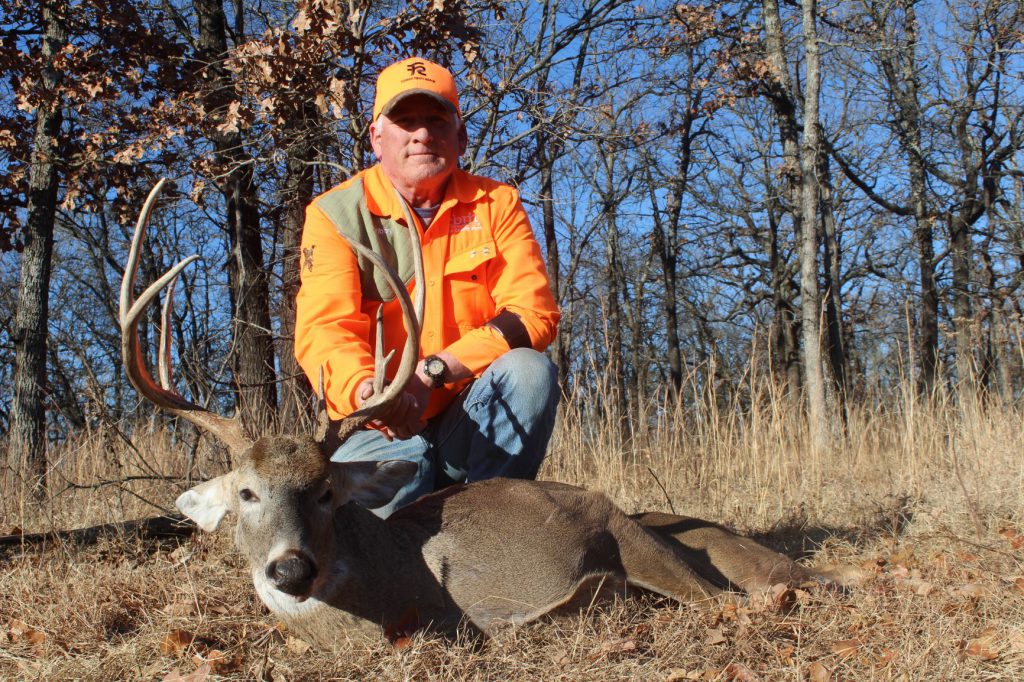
[{"x": 291, "y": 605}]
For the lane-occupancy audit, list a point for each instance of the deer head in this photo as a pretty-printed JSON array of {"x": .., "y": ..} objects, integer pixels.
[{"x": 283, "y": 489}]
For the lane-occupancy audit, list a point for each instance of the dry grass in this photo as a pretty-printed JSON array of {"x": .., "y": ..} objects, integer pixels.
[{"x": 928, "y": 501}]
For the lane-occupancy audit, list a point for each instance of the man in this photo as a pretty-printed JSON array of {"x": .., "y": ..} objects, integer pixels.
[{"x": 483, "y": 398}]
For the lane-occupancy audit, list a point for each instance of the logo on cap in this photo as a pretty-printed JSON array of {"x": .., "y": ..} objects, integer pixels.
[{"x": 417, "y": 69}]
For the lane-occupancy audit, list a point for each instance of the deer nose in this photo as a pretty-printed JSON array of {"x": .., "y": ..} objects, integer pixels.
[{"x": 292, "y": 574}]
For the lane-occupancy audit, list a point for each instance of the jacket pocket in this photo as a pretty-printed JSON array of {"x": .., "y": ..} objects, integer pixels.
[{"x": 469, "y": 304}]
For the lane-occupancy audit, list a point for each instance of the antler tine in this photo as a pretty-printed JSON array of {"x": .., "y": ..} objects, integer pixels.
[
  {"x": 417, "y": 259},
  {"x": 164, "y": 368},
  {"x": 410, "y": 352},
  {"x": 229, "y": 431},
  {"x": 380, "y": 360}
]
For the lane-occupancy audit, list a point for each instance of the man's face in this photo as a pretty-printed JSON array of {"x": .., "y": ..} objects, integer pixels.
[{"x": 418, "y": 143}]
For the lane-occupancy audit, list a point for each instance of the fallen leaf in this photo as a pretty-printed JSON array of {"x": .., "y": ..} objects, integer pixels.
[
  {"x": 219, "y": 662},
  {"x": 923, "y": 588},
  {"x": 176, "y": 641},
  {"x": 198, "y": 675},
  {"x": 887, "y": 656},
  {"x": 783, "y": 598},
  {"x": 817, "y": 672},
  {"x": 715, "y": 636},
  {"x": 611, "y": 648},
  {"x": 1018, "y": 584},
  {"x": 180, "y": 608},
  {"x": 1015, "y": 539},
  {"x": 846, "y": 648},
  {"x": 737, "y": 672},
  {"x": 905, "y": 557},
  {"x": 299, "y": 647},
  {"x": 970, "y": 590},
  {"x": 400, "y": 632},
  {"x": 20, "y": 632},
  {"x": 981, "y": 648},
  {"x": 785, "y": 654}
]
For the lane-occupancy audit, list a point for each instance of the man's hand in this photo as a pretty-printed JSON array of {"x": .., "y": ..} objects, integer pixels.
[{"x": 404, "y": 418}]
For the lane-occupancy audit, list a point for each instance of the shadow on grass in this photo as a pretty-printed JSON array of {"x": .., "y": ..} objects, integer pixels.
[{"x": 796, "y": 538}]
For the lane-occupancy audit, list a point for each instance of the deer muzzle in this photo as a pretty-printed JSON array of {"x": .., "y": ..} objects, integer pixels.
[{"x": 293, "y": 573}]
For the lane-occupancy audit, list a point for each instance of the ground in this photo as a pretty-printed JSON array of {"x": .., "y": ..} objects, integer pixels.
[{"x": 935, "y": 533}]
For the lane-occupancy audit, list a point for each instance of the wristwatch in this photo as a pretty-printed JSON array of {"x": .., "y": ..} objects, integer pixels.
[{"x": 435, "y": 369}]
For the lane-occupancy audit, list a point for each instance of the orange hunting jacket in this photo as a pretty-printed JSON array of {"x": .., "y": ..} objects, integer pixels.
[{"x": 479, "y": 258}]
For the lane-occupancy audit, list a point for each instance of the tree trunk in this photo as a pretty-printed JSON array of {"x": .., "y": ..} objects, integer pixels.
[
  {"x": 666, "y": 237},
  {"x": 547, "y": 152},
  {"x": 617, "y": 406},
  {"x": 252, "y": 348},
  {"x": 27, "y": 437},
  {"x": 817, "y": 408},
  {"x": 961, "y": 257},
  {"x": 785, "y": 356},
  {"x": 900, "y": 69},
  {"x": 296, "y": 195},
  {"x": 666, "y": 245},
  {"x": 834, "y": 334},
  {"x": 780, "y": 96}
]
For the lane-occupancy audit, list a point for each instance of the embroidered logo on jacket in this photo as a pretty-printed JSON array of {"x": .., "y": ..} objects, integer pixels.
[
  {"x": 307, "y": 258},
  {"x": 464, "y": 223}
]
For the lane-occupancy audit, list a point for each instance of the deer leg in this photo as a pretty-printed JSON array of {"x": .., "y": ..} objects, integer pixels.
[
  {"x": 723, "y": 557},
  {"x": 651, "y": 563}
]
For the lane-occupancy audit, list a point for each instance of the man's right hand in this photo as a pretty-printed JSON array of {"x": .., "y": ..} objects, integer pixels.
[{"x": 404, "y": 418}]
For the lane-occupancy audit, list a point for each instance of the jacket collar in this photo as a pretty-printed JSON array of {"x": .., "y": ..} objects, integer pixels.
[{"x": 381, "y": 198}]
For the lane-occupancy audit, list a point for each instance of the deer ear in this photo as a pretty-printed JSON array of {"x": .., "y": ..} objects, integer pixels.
[
  {"x": 207, "y": 503},
  {"x": 371, "y": 484}
]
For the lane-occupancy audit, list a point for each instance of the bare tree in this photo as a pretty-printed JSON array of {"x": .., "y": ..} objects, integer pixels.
[
  {"x": 27, "y": 437},
  {"x": 818, "y": 411},
  {"x": 252, "y": 343}
]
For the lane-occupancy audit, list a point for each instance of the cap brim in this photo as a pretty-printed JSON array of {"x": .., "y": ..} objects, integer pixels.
[{"x": 389, "y": 107}]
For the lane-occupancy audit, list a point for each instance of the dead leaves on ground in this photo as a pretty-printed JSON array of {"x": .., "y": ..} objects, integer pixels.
[
  {"x": 992, "y": 644},
  {"x": 182, "y": 643},
  {"x": 20, "y": 633}
]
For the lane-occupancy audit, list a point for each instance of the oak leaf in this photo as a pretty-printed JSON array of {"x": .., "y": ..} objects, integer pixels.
[
  {"x": 846, "y": 648},
  {"x": 817, "y": 672},
  {"x": 176, "y": 641}
]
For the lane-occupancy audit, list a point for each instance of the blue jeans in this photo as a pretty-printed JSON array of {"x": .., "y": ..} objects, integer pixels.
[{"x": 499, "y": 425}]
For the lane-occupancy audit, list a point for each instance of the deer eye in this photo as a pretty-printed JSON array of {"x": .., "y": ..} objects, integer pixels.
[
  {"x": 327, "y": 496},
  {"x": 247, "y": 495}
]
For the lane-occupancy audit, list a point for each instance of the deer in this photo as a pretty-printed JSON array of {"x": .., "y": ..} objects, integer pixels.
[{"x": 469, "y": 558}]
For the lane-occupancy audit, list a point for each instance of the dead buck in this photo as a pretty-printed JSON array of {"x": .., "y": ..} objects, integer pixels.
[{"x": 468, "y": 556}]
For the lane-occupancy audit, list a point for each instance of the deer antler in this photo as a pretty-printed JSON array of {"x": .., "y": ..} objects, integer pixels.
[
  {"x": 164, "y": 396},
  {"x": 412, "y": 316}
]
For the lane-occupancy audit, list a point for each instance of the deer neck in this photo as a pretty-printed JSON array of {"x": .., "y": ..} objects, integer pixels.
[{"x": 379, "y": 569}]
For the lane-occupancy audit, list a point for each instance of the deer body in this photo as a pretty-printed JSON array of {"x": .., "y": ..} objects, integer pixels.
[
  {"x": 477, "y": 555},
  {"x": 473, "y": 556}
]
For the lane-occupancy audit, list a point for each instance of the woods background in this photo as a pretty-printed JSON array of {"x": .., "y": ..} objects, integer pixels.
[{"x": 825, "y": 196}]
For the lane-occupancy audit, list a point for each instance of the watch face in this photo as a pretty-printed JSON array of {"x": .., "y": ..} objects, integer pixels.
[{"x": 434, "y": 368}]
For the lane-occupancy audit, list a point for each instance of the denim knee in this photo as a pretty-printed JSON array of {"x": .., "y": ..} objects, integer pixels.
[{"x": 528, "y": 379}]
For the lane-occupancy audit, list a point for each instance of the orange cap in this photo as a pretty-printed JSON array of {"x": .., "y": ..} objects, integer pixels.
[{"x": 414, "y": 76}]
